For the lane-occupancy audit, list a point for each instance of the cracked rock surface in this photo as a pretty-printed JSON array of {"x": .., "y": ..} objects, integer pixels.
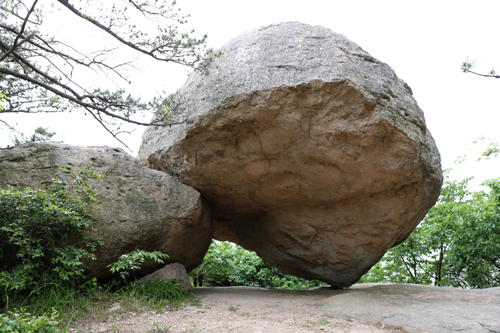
[
  {"x": 310, "y": 151},
  {"x": 138, "y": 208}
]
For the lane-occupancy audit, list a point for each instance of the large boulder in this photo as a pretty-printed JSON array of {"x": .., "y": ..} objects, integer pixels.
[
  {"x": 138, "y": 208},
  {"x": 310, "y": 151}
]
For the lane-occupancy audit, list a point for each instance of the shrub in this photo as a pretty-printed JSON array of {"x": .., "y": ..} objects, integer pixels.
[
  {"x": 227, "y": 264},
  {"x": 26, "y": 323},
  {"x": 132, "y": 261},
  {"x": 34, "y": 229},
  {"x": 156, "y": 293}
]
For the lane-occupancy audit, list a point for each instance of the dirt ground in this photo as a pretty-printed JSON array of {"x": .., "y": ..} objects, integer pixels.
[
  {"x": 235, "y": 309},
  {"x": 361, "y": 308}
]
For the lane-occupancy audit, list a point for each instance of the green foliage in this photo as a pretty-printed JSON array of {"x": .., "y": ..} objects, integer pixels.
[
  {"x": 477, "y": 253},
  {"x": 467, "y": 64},
  {"x": 210, "y": 57},
  {"x": 41, "y": 134},
  {"x": 157, "y": 329},
  {"x": 69, "y": 301},
  {"x": 156, "y": 293},
  {"x": 132, "y": 261},
  {"x": 491, "y": 150},
  {"x": 3, "y": 99},
  {"x": 26, "y": 323},
  {"x": 227, "y": 264},
  {"x": 92, "y": 298},
  {"x": 35, "y": 227},
  {"x": 457, "y": 244},
  {"x": 40, "y": 272}
]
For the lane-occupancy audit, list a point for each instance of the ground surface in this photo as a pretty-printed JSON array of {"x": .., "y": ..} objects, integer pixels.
[{"x": 363, "y": 308}]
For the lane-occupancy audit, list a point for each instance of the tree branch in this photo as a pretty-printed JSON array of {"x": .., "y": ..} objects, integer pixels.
[
  {"x": 15, "y": 45},
  {"x": 41, "y": 73},
  {"x": 407, "y": 268},
  {"x": 99, "y": 120},
  {"x": 465, "y": 70},
  {"x": 12, "y": 12},
  {"x": 78, "y": 100},
  {"x": 66, "y": 4},
  {"x": 467, "y": 65}
]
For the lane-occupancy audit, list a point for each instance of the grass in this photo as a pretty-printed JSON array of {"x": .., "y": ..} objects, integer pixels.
[
  {"x": 158, "y": 329},
  {"x": 234, "y": 308},
  {"x": 322, "y": 322},
  {"x": 394, "y": 327},
  {"x": 93, "y": 300}
]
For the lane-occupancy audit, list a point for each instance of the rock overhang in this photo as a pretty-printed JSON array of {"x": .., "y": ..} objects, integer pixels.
[{"x": 294, "y": 135}]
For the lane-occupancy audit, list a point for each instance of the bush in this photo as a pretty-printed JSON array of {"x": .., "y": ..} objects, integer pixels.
[
  {"x": 227, "y": 264},
  {"x": 132, "y": 261},
  {"x": 34, "y": 228},
  {"x": 40, "y": 271},
  {"x": 26, "y": 323},
  {"x": 156, "y": 293},
  {"x": 456, "y": 245},
  {"x": 93, "y": 299}
]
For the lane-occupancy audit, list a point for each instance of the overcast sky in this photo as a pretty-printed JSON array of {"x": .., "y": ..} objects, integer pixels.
[{"x": 425, "y": 42}]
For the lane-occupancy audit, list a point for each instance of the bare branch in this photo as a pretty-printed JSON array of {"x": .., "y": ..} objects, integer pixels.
[
  {"x": 49, "y": 78},
  {"x": 79, "y": 100},
  {"x": 15, "y": 45},
  {"x": 483, "y": 75},
  {"x": 467, "y": 65},
  {"x": 176, "y": 46},
  {"x": 100, "y": 121},
  {"x": 13, "y": 13},
  {"x": 6, "y": 124},
  {"x": 41, "y": 73}
]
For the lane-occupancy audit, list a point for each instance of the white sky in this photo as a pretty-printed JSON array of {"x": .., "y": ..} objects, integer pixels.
[{"x": 424, "y": 41}]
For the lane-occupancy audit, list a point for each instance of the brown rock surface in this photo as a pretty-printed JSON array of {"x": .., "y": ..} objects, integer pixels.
[
  {"x": 173, "y": 271},
  {"x": 138, "y": 208},
  {"x": 310, "y": 151}
]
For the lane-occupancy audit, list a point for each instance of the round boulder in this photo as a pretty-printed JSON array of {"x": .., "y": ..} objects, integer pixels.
[{"x": 310, "y": 151}]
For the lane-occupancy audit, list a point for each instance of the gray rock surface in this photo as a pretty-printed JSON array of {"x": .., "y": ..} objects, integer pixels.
[
  {"x": 419, "y": 308},
  {"x": 413, "y": 308},
  {"x": 310, "y": 151},
  {"x": 173, "y": 271},
  {"x": 138, "y": 208}
]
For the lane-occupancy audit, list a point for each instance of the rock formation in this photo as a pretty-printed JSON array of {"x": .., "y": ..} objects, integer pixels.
[
  {"x": 310, "y": 151},
  {"x": 138, "y": 208},
  {"x": 173, "y": 271}
]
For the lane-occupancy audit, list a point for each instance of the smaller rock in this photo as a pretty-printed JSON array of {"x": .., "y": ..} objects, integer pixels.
[{"x": 173, "y": 271}]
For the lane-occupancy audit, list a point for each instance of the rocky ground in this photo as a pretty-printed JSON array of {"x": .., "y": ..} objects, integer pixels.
[
  {"x": 232, "y": 309},
  {"x": 362, "y": 308},
  {"x": 418, "y": 308}
]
